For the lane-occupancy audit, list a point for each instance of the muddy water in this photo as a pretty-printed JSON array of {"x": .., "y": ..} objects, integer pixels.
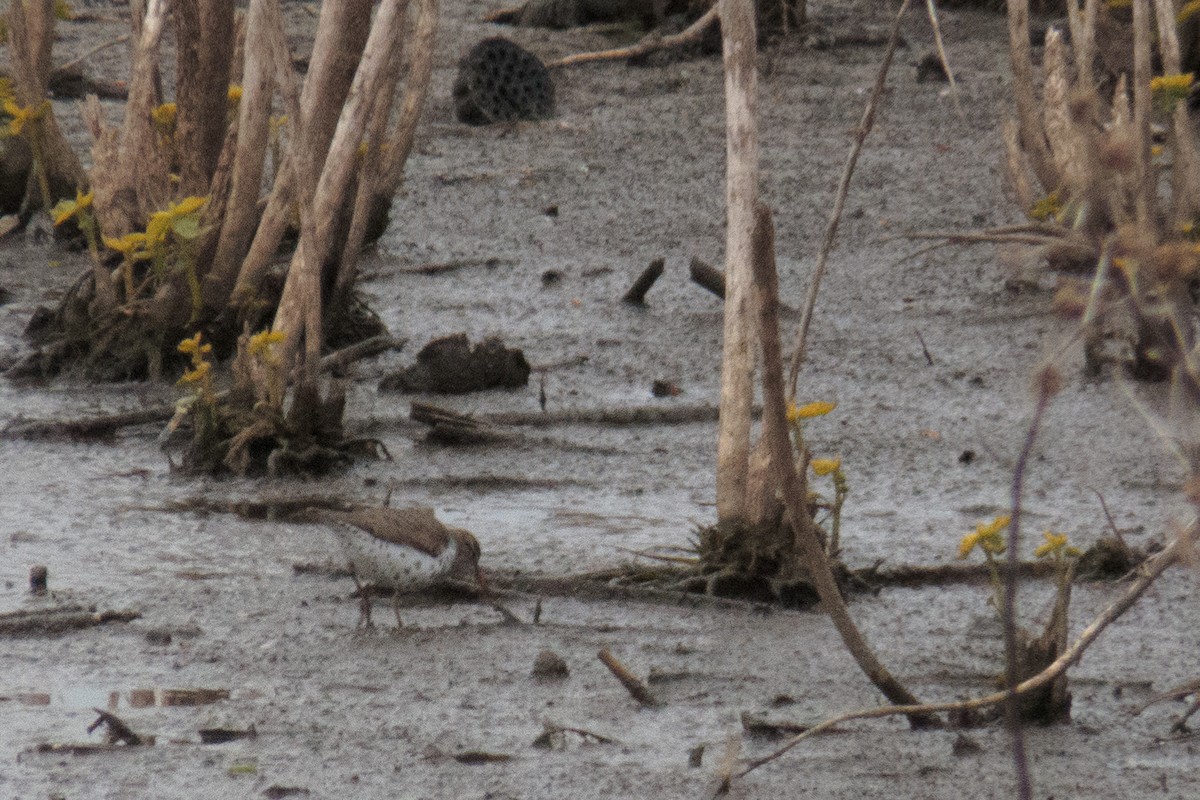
[{"x": 633, "y": 165}]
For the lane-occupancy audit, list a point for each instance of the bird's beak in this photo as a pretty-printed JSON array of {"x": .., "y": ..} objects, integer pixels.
[{"x": 480, "y": 580}]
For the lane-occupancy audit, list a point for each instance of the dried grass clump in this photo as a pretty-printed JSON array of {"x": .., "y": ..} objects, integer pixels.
[{"x": 1107, "y": 160}]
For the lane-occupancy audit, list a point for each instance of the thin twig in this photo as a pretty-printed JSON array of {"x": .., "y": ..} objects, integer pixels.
[
  {"x": 1150, "y": 570},
  {"x": 1112, "y": 523},
  {"x": 941, "y": 52},
  {"x": 860, "y": 136},
  {"x": 925, "y": 349}
]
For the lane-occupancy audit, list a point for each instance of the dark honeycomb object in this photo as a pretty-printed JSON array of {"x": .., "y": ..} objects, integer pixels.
[{"x": 499, "y": 81}]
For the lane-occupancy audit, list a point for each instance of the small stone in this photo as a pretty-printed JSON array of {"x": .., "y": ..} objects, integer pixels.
[
  {"x": 549, "y": 665},
  {"x": 39, "y": 579}
]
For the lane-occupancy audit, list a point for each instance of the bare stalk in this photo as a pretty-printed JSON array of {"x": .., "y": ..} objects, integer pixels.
[
  {"x": 1144, "y": 192},
  {"x": 739, "y": 46},
  {"x": 254, "y": 110},
  {"x": 1033, "y": 139}
]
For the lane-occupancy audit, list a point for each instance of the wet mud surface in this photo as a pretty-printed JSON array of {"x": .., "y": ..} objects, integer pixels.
[{"x": 630, "y": 170}]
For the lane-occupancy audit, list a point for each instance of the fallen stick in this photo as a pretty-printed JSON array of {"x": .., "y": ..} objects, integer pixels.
[
  {"x": 708, "y": 276},
  {"x": 364, "y": 349},
  {"x": 649, "y": 44},
  {"x": 59, "y": 620},
  {"x": 631, "y": 682},
  {"x": 637, "y": 293}
]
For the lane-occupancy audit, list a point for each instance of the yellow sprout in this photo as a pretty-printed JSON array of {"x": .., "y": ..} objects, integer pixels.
[
  {"x": 197, "y": 374},
  {"x": 815, "y": 409},
  {"x": 193, "y": 347},
  {"x": 23, "y": 115},
  {"x": 164, "y": 116},
  {"x": 986, "y": 536},
  {"x": 1055, "y": 546},
  {"x": 161, "y": 222},
  {"x": 1189, "y": 10},
  {"x": 1048, "y": 207},
  {"x": 1167, "y": 91},
  {"x": 128, "y": 244},
  {"x": 66, "y": 209},
  {"x": 263, "y": 341},
  {"x": 826, "y": 466},
  {"x": 63, "y": 10},
  {"x": 235, "y": 93}
]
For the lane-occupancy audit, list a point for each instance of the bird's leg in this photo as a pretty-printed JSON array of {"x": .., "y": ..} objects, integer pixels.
[
  {"x": 364, "y": 604},
  {"x": 396, "y": 608}
]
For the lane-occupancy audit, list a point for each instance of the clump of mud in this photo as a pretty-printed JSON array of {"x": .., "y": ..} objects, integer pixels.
[{"x": 451, "y": 365}]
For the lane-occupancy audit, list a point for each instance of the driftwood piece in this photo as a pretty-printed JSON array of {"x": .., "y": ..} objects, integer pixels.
[
  {"x": 634, "y": 685},
  {"x": 651, "y": 43},
  {"x": 637, "y": 292},
  {"x": 360, "y": 350},
  {"x": 59, "y": 620},
  {"x": 708, "y": 276}
]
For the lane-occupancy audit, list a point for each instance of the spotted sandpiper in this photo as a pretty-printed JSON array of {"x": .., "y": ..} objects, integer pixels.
[{"x": 403, "y": 549}]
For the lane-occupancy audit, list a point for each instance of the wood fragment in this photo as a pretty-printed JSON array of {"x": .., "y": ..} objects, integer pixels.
[
  {"x": 637, "y": 292},
  {"x": 222, "y": 735},
  {"x": 360, "y": 350},
  {"x": 708, "y": 276},
  {"x": 759, "y": 725},
  {"x": 652, "y": 42},
  {"x": 636, "y": 688},
  {"x": 59, "y": 620}
]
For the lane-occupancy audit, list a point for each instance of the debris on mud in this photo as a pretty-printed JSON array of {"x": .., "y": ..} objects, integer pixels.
[
  {"x": 59, "y": 619},
  {"x": 222, "y": 735},
  {"x": 549, "y": 665},
  {"x": 117, "y": 731},
  {"x": 499, "y": 81},
  {"x": 560, "y": 737},
  {"x": 451, "y": 365}
]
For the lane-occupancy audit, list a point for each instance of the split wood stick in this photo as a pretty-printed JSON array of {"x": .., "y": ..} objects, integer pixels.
[{"x": 631, "y": 682}]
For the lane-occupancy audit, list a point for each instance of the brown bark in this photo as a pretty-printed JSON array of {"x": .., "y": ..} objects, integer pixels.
[
  {"x": 741, "y": 192},
  {"x": 299, "y": 313},
  {"x": 31, "y": 38},
  {"x": 204, "y": 42},
  {"x": 416, "y": 87},
  {"x": 341, "y": 35},
  {"x": 253, "y": 123}
]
